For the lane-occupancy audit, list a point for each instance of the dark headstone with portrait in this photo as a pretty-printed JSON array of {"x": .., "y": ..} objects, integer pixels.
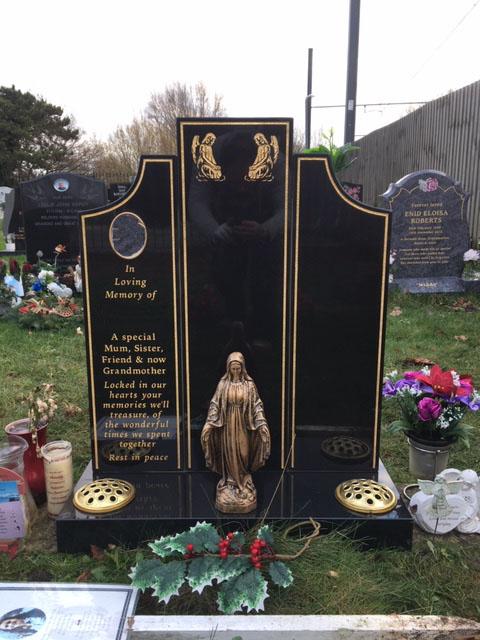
[
  {"x": 264, "y": 255},
  {"x": 429, "y": 232},
  {"x": 51, "y": 206}
]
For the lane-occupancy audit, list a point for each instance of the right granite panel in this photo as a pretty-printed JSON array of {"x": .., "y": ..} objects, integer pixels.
[{"x": 340, "y": 278}]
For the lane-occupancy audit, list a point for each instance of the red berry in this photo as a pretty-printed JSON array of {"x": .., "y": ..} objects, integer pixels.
[
  {"x": 263, "y": 543},
  {"x": 189, "y": 547},
  {"x": 223, "y": 554},
  {"x": 230, "y": 535}
]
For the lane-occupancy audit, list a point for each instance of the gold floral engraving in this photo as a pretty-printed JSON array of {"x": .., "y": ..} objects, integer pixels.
[
  {"x": 267, "y": 155},
  {"x": 202, "y": 152}
]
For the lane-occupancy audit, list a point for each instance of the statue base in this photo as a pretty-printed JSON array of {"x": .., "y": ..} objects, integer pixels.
[
  {"x": 233, "y": 499},
  {"x": 170, "y": 502}
]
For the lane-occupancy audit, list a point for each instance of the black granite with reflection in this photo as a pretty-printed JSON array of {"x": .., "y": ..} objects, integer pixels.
[
  {"x": 340, "y": 265},
  {"x": 234, "y": 199},
  {"x": 51, "y": 207},
  {"x": 131, "y": 328},
  {"x": 171, "y": 502}
]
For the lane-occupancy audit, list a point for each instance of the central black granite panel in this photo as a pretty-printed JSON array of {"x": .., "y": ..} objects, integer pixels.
[
  {"x": 339, "y": 279},
  {"x": 234, "y": 190},
  {"x": 132, "y": 326}
]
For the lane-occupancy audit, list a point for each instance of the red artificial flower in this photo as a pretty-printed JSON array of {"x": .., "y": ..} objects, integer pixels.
[
  {"x": 60, "y": 248},
  {"x": 24, "y": 310},
  {"x": 27, "y": 267},
  {"x": 13, "y": 267},
  {"x": 442, "y": 382}
]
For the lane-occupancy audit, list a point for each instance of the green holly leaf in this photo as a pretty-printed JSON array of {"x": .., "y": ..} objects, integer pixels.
[
  {"x": 145, "y": 573},
  {"x": 280, "y": 574},
  {"x": 169, "y": 580},
  {"x": 203, "y": 536},
  {"x": 162, "y": 547},
  {"x": 265, "y": 533},
  {"x": 202, "y": 572},
  {"x": 246, "y": 590}
]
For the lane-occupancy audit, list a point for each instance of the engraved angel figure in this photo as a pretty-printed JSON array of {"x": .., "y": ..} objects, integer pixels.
[
  {"x": 439, "y": 489},
  {"x": 267, "y": 155},
  {"x": 202, "y": 152}
]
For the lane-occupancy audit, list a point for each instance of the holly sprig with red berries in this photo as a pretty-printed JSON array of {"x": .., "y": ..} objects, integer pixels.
[{"x": 201, "y": 557}]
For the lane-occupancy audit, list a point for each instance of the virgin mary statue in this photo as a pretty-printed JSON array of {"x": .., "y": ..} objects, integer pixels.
[{"x": 235, "y": 438}]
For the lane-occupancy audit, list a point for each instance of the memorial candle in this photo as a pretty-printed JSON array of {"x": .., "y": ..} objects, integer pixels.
[{"x": 57, "y": 459}]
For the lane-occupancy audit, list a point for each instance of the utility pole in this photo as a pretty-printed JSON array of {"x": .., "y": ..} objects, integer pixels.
[
  {"x": 352, "y": 67},
  {"x": 308, "y": 101}
]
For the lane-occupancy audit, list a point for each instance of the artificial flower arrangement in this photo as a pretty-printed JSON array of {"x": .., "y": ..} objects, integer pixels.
[
  {"x": 472, "y": 264},
  {"x": 433, "y": 404}
]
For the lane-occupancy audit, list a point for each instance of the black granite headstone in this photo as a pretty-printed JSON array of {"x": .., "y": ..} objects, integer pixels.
[
  {"x": 13, "y": 219},
  {"x": 300, "y": 290},
  {"x": 340, "y": 267},
  {"x": 429, "y": 232},
  {"x": 51, "y": 207},
  {"x": 132, "y": 326},
  {"x": 234, "y": 191}
]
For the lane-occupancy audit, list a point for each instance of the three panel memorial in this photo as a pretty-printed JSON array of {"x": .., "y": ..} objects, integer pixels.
[{"x": 246, "y": 249}]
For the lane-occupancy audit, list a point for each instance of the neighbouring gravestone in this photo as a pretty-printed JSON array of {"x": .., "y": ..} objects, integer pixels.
[
  {"x": 3, "y": 193},
  {"x": 13, "y": 219},
  {"x": 51, "y": 207},
  {"x": 299, "y": 290},
  {"x": 117, "y": 190},
  {"x": 429, "y": 232}
]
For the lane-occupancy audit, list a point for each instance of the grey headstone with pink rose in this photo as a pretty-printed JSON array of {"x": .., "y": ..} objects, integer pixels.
[{"x": 429, "y": 232}]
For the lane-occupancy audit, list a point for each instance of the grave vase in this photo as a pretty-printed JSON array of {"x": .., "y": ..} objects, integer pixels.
[
  {"x": 33, "y": 461},
  {"x": 427, "y": 458}
]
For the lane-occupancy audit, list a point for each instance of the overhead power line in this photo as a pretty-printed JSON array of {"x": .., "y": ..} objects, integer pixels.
[
  {"x": 448, "y": 36},
  {"x": 366, "y": 104}
]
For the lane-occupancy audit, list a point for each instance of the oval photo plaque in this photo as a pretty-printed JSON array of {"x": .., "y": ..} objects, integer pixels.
[{"x": 128, "y": 235}]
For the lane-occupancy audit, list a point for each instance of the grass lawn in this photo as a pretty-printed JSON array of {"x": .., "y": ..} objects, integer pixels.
[{"x": 440, "y": 576}]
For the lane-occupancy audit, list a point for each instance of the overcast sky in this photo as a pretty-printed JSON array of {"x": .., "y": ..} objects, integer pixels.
[{"x": 101, "y": 59}]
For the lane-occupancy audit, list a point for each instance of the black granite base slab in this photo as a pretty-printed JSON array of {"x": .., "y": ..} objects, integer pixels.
[{"x": 171, "y": 502}]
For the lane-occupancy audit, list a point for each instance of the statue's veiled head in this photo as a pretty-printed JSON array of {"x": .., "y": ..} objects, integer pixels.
[{"x": 236, "y": 366}]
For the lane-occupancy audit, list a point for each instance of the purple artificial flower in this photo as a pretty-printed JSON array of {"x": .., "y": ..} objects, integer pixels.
[
  {"x": 429, "y": 409},
  {"x": 389, "y": 389}
]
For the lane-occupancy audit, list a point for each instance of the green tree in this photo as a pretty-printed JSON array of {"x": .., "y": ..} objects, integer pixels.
[{"x": 35, "y": 136}]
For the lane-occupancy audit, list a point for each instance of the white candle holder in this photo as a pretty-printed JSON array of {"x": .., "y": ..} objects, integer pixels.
[{"x": 57, "y": 460}]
